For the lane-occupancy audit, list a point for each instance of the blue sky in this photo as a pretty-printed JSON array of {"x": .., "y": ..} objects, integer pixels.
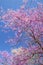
[
  {"x": 11, "y": 4},
  {"x": 15, "y": 4}
]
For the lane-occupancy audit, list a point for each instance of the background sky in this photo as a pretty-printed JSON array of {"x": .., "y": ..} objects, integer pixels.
[{"x": 12, "y": 4}]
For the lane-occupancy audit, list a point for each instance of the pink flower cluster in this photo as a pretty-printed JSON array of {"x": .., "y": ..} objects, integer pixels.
[
  {"x": 20, "y": 56},
  {"x": 28, "y": 25}
]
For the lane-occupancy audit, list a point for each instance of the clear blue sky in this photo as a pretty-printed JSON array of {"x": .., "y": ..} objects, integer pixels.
[{"x": 11, "y": 4}]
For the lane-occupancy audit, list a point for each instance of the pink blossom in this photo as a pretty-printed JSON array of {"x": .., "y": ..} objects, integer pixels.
[{"x": 28, "y": 25}]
